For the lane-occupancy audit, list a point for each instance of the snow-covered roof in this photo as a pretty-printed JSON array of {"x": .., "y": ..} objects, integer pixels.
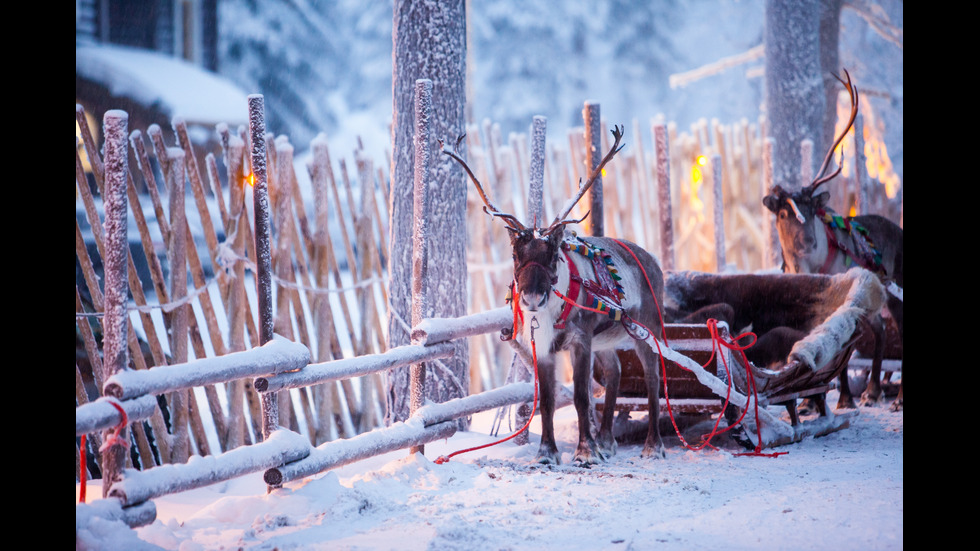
[{"x": 174, "y": 86}]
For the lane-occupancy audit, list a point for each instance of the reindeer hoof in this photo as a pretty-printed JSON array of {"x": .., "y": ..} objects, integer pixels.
[
  {"x": 587, "y": 460},
  {"x": 897, "y": 405},
  {"x": 607, "y": 447},
  {"x": 547, "y": 456},
  {"x": 654, "y": 452},
  {"x": 845, "y": 403},
  {"x": 589, "y": 454},
  {"x": 870, "y": 400}
]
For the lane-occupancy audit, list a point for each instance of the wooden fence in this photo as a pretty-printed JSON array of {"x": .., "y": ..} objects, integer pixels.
[{"x": 328, "y": 249}]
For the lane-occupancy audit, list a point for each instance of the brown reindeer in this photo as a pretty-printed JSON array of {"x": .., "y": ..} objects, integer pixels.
[
  {"x": 553, "y": 291},
  {"x": 815, "y": 239}
]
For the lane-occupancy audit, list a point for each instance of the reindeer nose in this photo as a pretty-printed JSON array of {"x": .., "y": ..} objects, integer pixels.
[{"x": 532, "y": 302}]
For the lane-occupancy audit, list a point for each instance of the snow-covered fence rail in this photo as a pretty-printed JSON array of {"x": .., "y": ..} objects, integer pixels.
[
  {"x": 285, "y": 455},
  {"x": 102, "y": 414},
  {"x": 281, "y": 447},
  {"x": 276, "y": 356},
  {"x": 429, "y": 423}
]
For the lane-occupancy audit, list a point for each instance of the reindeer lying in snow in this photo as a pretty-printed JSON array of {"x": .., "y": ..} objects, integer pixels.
[
  {"x": 561, "y": 303},
  {"x": 814, "y": 239}
]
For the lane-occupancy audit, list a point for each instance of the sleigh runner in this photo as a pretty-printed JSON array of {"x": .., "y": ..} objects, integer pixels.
[{"x": 700, "y": 374}]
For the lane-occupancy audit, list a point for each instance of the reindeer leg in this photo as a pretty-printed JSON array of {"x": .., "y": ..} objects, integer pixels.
[
  {"x": 846, "y": 399},
  {"x": 872, "y": 394},
  {"x": 895, "y": 308},
  {"x": 587, "y": 453},
  {"x": 609, "y": 363},
  {"x": 548, "y": 451},
  {"x": 654, "y": 446}
]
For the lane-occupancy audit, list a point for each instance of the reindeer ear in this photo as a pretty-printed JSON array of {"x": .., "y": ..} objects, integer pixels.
[
  {"x": 771, "y": 202},
  {"x": 556, "y": 236},
  {"x": 820, "y": 201}
]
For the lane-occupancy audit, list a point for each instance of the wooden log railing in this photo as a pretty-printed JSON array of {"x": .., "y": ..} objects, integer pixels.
[{"x": 285, "y": 455}]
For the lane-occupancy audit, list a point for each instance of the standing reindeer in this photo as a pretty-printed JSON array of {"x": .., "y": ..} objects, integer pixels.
[
  {"x": 555, "y": 294},
  {"x": 814, "y": 239}
]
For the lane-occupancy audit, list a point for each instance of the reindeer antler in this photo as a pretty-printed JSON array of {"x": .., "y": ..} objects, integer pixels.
[
  {"x": 820, "y": 179},
  {"x": 512, "y": 222},
  {"x": 561, "y": 220}
]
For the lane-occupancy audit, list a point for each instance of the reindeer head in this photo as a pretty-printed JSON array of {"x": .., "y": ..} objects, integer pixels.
[
  {"x": 537, "y": 251},
  {"x": 797, "y": 212},
  {"x": 536, "y": 266}
]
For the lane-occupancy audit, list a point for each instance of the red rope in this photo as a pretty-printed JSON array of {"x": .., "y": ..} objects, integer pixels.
[
  {"x": 113, "y": 439},
  {"x": 717, "y": 342},
  {"x": 534, "y": 354},
  {"x": 83, "y": 472}
]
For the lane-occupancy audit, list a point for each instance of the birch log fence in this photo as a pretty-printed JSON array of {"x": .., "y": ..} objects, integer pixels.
[{"x": 201, "y": 362}]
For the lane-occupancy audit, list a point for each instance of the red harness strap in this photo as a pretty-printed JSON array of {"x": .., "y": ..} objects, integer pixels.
[
  {"x": 832, "y": 249},
  {"x": 574, "y": 285}
]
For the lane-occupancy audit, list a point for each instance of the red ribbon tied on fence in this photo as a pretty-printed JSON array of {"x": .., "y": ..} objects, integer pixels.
[{"x": 112, "y": 440}]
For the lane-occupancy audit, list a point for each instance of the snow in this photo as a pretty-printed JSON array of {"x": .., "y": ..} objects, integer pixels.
[
  {"x": 157, "y": 79},
  {"x": 842, "y": 491}
]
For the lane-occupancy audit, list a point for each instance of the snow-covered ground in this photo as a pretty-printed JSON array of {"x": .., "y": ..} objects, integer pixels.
[{"x": 842, "y": 491}]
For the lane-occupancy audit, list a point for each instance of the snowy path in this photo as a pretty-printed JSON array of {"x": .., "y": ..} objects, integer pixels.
[{"x": 843, "y": 491}]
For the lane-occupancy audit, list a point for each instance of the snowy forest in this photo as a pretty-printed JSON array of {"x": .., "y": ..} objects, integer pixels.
[
  {"x": 343, "y": 299},
  {"x": 524, "y": 59}
]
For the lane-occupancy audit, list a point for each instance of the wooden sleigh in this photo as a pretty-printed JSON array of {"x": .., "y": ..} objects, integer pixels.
[{"x": 828, "y": 309}]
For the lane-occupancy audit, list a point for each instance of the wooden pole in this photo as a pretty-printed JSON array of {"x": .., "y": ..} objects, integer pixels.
[
  {"x": 771, "y": 255},
  {"x": 116, "y": 320},
  {"x": 263, "y": 247},
  {"x": 719, "y": 212},
  {"x": 593, "y": 155},
  {"x": 861, "y": 179},
  {"x": 177, "y": 252},
  {"x": 663, "y": 196},
  {"x": 535, "y": 198},
  {"x": 423, "y": 104}
]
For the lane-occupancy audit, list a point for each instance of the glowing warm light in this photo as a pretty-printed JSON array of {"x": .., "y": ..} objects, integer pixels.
[
  {"x": 697, "y": 180},
  {"x": 250, "y": 180},
  {"x": 878, "y": 165}
]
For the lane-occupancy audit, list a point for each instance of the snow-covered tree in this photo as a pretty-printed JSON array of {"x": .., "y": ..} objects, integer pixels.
[
  {"x": 313, "y": 61},
  {"x": 795, "y": 102},
  {"x": 429, "y": 43}
]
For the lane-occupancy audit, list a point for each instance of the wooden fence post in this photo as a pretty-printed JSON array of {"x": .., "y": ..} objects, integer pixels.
[
  {"x": 535, "y": 198},
  {"x": 263, "y": 247},
  {"x": 116, "y": 320},
  {"x": 420, "y": 257},
  {"x": 663, "y": 196},
  {"x": 861, "y": 179},
  {"x": 177, "y": 253},
  {"x": 719, "y": 212},
  {"x": 772, "y": 256},
  {"x": 593, "y": 156}
]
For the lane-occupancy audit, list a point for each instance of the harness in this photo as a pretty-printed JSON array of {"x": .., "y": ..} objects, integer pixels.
[
  {"x": 603, "y": 293},
  {"x": 865, "y": 253}
]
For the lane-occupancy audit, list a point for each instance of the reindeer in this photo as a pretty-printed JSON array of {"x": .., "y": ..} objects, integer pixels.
[
  {"x": 814, "y": 239},
  {"x": 550, "y": 291}
]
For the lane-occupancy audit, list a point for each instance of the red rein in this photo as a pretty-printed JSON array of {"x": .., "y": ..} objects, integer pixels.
[
  {"x": 717, "y": 343},
  {"x": 113, "y": 439}
]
